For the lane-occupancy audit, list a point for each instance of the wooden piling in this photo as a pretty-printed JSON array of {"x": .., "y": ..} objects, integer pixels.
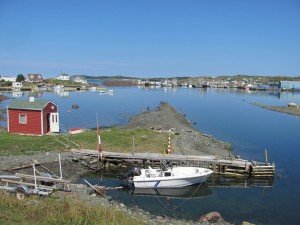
[{"x": 266, "y": 156}]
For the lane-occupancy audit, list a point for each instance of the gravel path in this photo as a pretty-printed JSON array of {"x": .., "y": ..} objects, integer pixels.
[
  {"x": 48, "y": 159},
  {"x": 187, "y": 140}
]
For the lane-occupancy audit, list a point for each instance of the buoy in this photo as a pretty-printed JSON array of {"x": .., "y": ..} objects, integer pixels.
[{"x": 74, "y": 106}]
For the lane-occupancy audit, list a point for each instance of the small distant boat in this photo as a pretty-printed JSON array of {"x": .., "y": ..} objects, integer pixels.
[
  {"x": 107, "y": 92},
  {"x": 92, "y": 89},
  {"x": 76, "y": 130},
  {"x": 292, "y": 104},
  {"x": 58, "y": 88},
  {"x": 168, "y": 178}
]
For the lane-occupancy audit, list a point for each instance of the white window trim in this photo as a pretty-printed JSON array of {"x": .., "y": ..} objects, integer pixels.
[
  {"x": 42, "y": 123},
  {"x": 25, "y": 118},
  {"x": 7, "y": 120}
]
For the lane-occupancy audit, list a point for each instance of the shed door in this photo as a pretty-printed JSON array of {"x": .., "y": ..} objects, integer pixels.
[{"x": 54, "y": 122}]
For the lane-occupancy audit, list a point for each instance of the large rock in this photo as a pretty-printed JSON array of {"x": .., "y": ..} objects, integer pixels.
[{"x": 211, "y": 217}]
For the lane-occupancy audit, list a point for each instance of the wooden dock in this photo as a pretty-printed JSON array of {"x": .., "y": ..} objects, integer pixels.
[{"x": 229, "y": 167}]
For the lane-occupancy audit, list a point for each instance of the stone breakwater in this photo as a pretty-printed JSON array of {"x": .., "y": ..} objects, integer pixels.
[
  {"x": 2, "y": 111},
  {"x": 292, "y": 110},
  {"x": 187, "y": 140}
]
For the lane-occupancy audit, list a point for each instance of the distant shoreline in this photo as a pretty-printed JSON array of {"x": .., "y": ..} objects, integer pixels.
[{"x": 283, "y": 109}]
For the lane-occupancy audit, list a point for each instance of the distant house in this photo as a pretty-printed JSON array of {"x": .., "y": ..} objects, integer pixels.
[
  {"x": 63, "y": 76},
  {"x": 17, "y": 85},
  {"x": 290, "y": 85},
  {"x": 80, "y": 80},
  {"x": 33, "y": 117},
  {"x": 34, "y": 77},
  {"x": 8, "y": 78}
]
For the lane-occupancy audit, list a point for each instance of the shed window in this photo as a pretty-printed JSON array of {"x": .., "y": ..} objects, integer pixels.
[{"x": 23, "y": 118}]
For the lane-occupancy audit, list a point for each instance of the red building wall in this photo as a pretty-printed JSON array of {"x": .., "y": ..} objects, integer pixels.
[
  {"x": 33, "y": 125},
  {"x": 49, "y": 108}
]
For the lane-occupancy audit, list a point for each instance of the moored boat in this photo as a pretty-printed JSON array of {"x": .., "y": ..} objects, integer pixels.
[{"x": 168, "y": 178}]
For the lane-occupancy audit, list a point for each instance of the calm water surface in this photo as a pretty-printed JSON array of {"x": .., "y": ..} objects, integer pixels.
[{"x": 225, "y": 114}]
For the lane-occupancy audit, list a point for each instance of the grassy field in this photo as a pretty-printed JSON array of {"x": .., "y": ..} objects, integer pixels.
[
  {"x": 113, "y": 139},
  {"x": 48, "y": 211}
]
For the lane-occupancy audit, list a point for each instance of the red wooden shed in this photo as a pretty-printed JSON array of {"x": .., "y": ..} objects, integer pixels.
[{"x": 33, "y": 117}]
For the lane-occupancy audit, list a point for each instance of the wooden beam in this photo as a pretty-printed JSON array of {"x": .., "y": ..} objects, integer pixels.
[{"x": 41, "y": 178}]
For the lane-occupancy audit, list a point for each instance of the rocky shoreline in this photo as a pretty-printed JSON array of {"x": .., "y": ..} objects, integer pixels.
[
  {"x": 2, "y": 98},
  {"x": 187, "y": 140}
]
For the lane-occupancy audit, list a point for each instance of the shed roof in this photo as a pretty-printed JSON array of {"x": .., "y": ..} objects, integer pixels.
[{"x": 34, "y": 105}]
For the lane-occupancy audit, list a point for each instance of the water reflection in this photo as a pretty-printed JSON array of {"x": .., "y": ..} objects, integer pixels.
[
  {"x": 17, "y": 94},
  {"x": 195, "y": 191},
  {"x": 288, "y": 96},
  {"x": 62, "y": 94},
  {"x": 183, "y": 203}
]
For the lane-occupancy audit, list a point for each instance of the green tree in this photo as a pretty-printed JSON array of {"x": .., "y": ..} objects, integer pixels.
[{"x": 20, "y": 78}]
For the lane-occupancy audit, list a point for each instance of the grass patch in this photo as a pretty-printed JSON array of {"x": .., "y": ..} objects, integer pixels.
[
  {"x": 13, "y": 144},
  {"x": 48, "y": 211},
  {"x": 113, "y": 139},
  {"x": 121, "y": 140}
]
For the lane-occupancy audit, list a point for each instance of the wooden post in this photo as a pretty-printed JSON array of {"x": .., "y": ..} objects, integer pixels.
[
  {"x": 95, "y": 189},
  {"x": 266, "y": 156},
  {"x": 99, "y": 144},
  {"x": 68, "y": 142}
]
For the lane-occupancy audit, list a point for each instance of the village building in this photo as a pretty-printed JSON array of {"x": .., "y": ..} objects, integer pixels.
[
  {"x": 8, "y": 78},
  {"x": 63, "y": 76},
  {"x": 17, "y": 85},
  {"x": 34, "y": 77},
  {"x": 80, "y": 80},
  {"x": 290, "y": 85},
  {"x": 33, "y": 117}
]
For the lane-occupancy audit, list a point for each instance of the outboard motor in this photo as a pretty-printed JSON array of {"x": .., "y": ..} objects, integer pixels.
[
  {"x": 136, "y": 171},
  {"x": 131, "y": 173}
]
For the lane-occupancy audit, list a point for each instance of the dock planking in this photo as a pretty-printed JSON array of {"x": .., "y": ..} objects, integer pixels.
[{"x": 232, "y": 167}]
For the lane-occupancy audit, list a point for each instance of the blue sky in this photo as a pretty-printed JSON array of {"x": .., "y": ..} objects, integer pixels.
[{"x": 150, "y": 38}]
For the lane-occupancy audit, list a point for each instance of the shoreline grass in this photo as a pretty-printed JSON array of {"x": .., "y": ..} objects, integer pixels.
[
  {"x": 48, "y": 211},
  {"x": 113, "y": 139}
]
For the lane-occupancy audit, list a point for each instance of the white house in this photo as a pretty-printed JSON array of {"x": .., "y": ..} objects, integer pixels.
[
  {"x": 17, "y": 85},
  {"x": 8, "y": 78},
  {"x": 63, "y": 76},
  {"x": 80, "y": 80}
]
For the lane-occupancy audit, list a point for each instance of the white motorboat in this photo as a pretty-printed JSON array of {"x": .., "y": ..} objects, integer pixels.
[{"x": 170, "y": 177}]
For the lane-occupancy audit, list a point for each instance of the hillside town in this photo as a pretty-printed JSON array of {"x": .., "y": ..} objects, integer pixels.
[{"x": 35, "y": 81}]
